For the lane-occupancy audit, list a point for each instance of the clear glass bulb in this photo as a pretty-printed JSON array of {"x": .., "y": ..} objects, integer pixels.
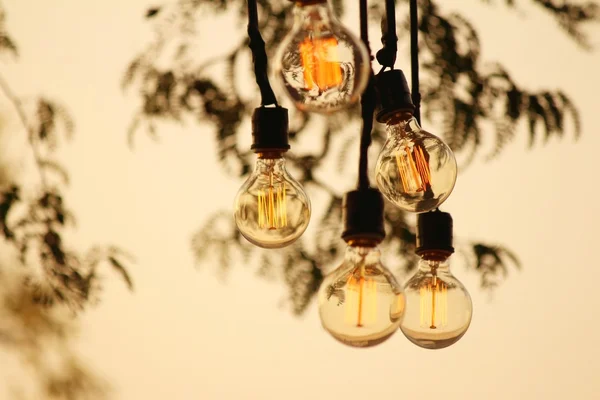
[
  {"x": 415, "y": 170},
  {"x": 322, "y": 66},
  {"x": 271, "y": 208},
  {"x": 360, "y": 303},
  {"x": 438, "y": 307}
]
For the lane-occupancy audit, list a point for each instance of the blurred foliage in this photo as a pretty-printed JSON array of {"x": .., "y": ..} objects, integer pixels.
[
  {"x": 39, "y": 337},
  {"x": 468, "y": 97},
  {"x": 44, "y": 281}
]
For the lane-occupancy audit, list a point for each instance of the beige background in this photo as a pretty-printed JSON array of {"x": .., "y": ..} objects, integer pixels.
[{"x": 184, "y": 334}]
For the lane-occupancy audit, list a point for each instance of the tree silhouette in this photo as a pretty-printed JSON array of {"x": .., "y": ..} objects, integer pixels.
[
  {"x": 459, "y": 91},
  {"x": 44, "y": 282}
]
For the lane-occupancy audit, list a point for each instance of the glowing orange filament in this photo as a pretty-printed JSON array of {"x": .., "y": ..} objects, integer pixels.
[
  {"x": 434, "y": 304},
  {"x": 414, "y": 169},
  {"x": 321, "y": 63},
  {"x": 432, "y": 326},
  {"x": 361, "y": 301},
  {"x": 272, "y": 207}
]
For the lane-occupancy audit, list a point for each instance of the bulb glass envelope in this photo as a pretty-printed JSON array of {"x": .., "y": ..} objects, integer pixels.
[
  {"x": 360, "y": 302},
  {"x": 271, "y": 209},
  {"x": 321, "y": 65}
]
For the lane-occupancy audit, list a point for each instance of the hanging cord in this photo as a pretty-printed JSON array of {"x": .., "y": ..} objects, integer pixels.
[
  {"x": 387, "y": 55},
  {"x": 367, "y": 102},
  {"x": 259, "y": 56},
  {"x": 414, "y": 58}
]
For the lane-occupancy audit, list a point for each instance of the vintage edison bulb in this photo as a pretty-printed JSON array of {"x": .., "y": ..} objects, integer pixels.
[
  {"x": 415, "y": 170},
  {"x": 438, "y": 307},
  {"x": 360, "y": 303},
  {"x": 271, "y": 208},
  {"x": 321, "y": 65}
]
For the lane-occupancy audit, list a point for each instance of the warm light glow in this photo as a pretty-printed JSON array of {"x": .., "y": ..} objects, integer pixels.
[
  {"x": 272, "y": 210},
  {"x": 414, "y": 169},
  {"x": 321, "y": 64},
  {"x": 361, "y": 301},
  {"x": 434, "y": 304},
  {"x": 398, "y": 309}
]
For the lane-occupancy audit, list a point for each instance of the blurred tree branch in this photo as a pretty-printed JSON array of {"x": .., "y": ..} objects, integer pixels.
[{"x": 46, "y": 282}]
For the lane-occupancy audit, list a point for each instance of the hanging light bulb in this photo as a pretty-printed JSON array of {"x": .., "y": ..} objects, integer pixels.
[
  {"x": 439, "y": 308},
  {"x": 415, "y": 170},
  {"x": 360, "y": 302},
  {"x": 321, "y": 65},
  {"x": 271, "y": 208}
]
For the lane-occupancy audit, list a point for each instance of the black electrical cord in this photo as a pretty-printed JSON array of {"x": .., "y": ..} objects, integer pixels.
[
  {"x": 259, "y": 56},
  {"x": 387, "y": 55},
  {"x": 414, "y": 58},
  {"x": 368, "y": 103}
]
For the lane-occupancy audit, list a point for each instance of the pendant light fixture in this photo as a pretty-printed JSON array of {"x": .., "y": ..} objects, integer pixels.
[
  {"x": 439, "y": 307},
  {"x": 271, "y": 209},
  {"x": 415, "y": 170},
  {"x": 360, "y": 302}
]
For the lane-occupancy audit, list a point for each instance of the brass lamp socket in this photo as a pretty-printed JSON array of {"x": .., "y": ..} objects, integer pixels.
[
  {"x": 393, "y": 95},
  {"x": 434, "y": 235},
  {"x": 270, "y": 130},
  {"x": 362, "y": 212}
]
